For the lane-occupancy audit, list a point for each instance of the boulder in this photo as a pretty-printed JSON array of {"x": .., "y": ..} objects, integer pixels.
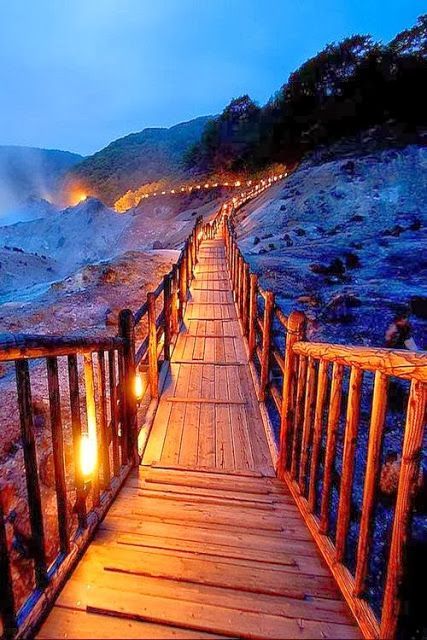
[
  {"x": 335, "y": 268},
  {"x": 419, "y": 306},
  {"x": 389, "y": 476},
  {"x": 288, "y": 240},
  {"x": 339, "y": 308},
  {"x": 256, "y": 240},
  {"x": 299, "y": 232},
  {"x": 157, "y": 244},
  {"x": 352, "y": 260},
  {"x": 357, "y": 218}
]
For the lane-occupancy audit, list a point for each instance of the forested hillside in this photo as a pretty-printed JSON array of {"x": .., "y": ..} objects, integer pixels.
[
  {"x": 142, "y": 157},
  {"x": 345, "y": 89}
]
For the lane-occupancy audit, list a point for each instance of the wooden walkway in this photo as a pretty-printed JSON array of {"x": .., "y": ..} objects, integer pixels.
[{"x": 203, "y": 540}]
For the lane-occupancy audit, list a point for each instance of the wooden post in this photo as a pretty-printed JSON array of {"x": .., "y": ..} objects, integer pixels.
[
  {"x": 266, "y": 343},
  {"x": 127, "y": 333},
  {"x": 350, "y": 441},
  {"x": 152, "y": 346},
  {"x": 124, "y": 453},
  {"x": 31, "y": 471},
  {"x": 309, "y": 407},
  {"x": 92, "y": 423},
  {"x": 103, "y": 427},
  {"x": 322, "y": 383},
  {"x": 409, "y": 471},
  {"x": 294, "y": 333},
  {"x": 174, "y": 300},
  {"x": 245, "y": 305},
  {"x": 253, "y": 290},
  {"x": 379, "y": 403},
  {"x": 113, "y": 410},
  {"x": 331, "y": 443},
  {"x": 189, "y": 261},
  {"x": 76, "y": 426},
  {"x": 58, "y": 453},
  {"x": 167, "y": 304},
  {"x": 182, "y": 282},
  {"x": 299, "y": 415},
  {"x": 7, "y": 601}
]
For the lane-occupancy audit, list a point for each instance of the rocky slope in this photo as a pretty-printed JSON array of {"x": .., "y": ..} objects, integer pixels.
[{"x": 344, "y": 240}]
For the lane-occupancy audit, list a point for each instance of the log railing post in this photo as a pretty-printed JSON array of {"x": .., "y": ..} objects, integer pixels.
[
  {"x": 58, "y": 453},
  {"x": 245, "y": 302},
  {"x": 152, "y": 346},
  {"x": 376, "y": 430},
  {"x": 408, "y": 476},
  {"x": 76, "y": 426},
  {"x": 127, "y": 333},
  {"x": 167, "y": 304},
  {"x": 266, "y": 344},
  {"x": 189, "y": 261},
  {"x": 174, "y": 300},
  {"x": 295, "y": 333},
  {"x": 23, "y": 385},
  {"x": 252, "y": 318},
  {"x": 182, "y": 282},
  {"x": 7, "y": 601}
]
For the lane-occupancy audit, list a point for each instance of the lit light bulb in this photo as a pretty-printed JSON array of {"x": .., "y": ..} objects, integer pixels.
[
  {"x": 138, "y": 388},
  {"x": 88, "y": 455}
]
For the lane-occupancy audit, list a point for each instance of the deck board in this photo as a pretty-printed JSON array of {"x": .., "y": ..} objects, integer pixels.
[{"x": 203, "y": 540}]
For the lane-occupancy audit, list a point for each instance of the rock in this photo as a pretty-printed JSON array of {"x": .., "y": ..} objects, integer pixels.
[
  {"x": 257, "y": 240},
  {"x": 415, "y": 225},
  {"x": 419, "y": 306},
  {"x": 356, "y": 245},
  {"x": 299, "y": 232},
  {"x": 335, "y": 268},
  {"x": 394, "y": 231},
  {"x": 109, "y": 275},
  {"x": 339, "y": 309},
  {"x": 157, "y": 244},
  {"x": 352, "y": 260},
  {"x": 312, "y": 300},
  {"x": 47, "y": 469},
  {"x": 283, "y": 207},
  {"x": 40, "y": 413},
  {"x": 288, "y": 240},
  {"x": 272, "y": 246},
  {"x": 111, "y": 317},
  {"x": 267, "y": 235},
  {"x": 357, "y": 218},
  {"x": 389, "y": 476},
  {"x": 262, "y": 251},
  {"x": 348, "y": 168}
]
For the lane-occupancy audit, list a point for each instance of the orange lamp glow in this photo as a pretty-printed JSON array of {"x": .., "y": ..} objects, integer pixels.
[
  {"x": 138, "y": 387},
  {"x": 88, "y": 455}
]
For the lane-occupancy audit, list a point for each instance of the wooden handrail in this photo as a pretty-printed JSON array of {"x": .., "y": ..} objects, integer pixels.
[
  {"x": 26, "y": 346},
  {"x": 309, "y": 409},
  {"x": 411, "y": 365}
]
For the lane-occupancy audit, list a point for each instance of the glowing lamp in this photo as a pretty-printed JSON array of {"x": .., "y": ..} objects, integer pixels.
[
  {"x": 237, "y": 184},
  {"x": 138, "y": 387},
  {"x": 88, "y": 455},
  {"x": 207, "y": 185}
]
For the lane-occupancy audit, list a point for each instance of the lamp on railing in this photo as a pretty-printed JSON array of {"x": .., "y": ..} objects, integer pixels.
[
  {"x": 138, "y": 387},
  {"x": 88, "y": 456}
]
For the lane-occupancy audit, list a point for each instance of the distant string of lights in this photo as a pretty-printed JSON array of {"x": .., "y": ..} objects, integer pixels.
[{"x": 234, "y": 184}]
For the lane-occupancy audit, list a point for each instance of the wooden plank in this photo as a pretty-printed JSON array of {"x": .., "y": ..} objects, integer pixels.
[{"x": 65, "y": 622}]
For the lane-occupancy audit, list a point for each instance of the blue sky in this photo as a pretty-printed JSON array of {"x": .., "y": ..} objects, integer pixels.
[{"x": 76, "y": 74}]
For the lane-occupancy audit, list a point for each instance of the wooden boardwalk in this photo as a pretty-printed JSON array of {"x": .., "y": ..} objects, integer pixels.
[{"x": 203, "y": 540}]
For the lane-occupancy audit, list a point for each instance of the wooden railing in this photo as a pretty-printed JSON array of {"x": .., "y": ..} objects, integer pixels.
[
  {"x": 93, "y": 401},
  {"x": 327, "y": 406},
  {"x": 85, "y": 387}
]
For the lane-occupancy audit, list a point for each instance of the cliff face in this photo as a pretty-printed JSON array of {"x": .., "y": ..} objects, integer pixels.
[{"x": 344, "y": 240}]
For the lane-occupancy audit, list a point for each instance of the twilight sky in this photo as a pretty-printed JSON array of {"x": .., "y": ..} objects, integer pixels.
[{"x": 76, "y": 74}]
